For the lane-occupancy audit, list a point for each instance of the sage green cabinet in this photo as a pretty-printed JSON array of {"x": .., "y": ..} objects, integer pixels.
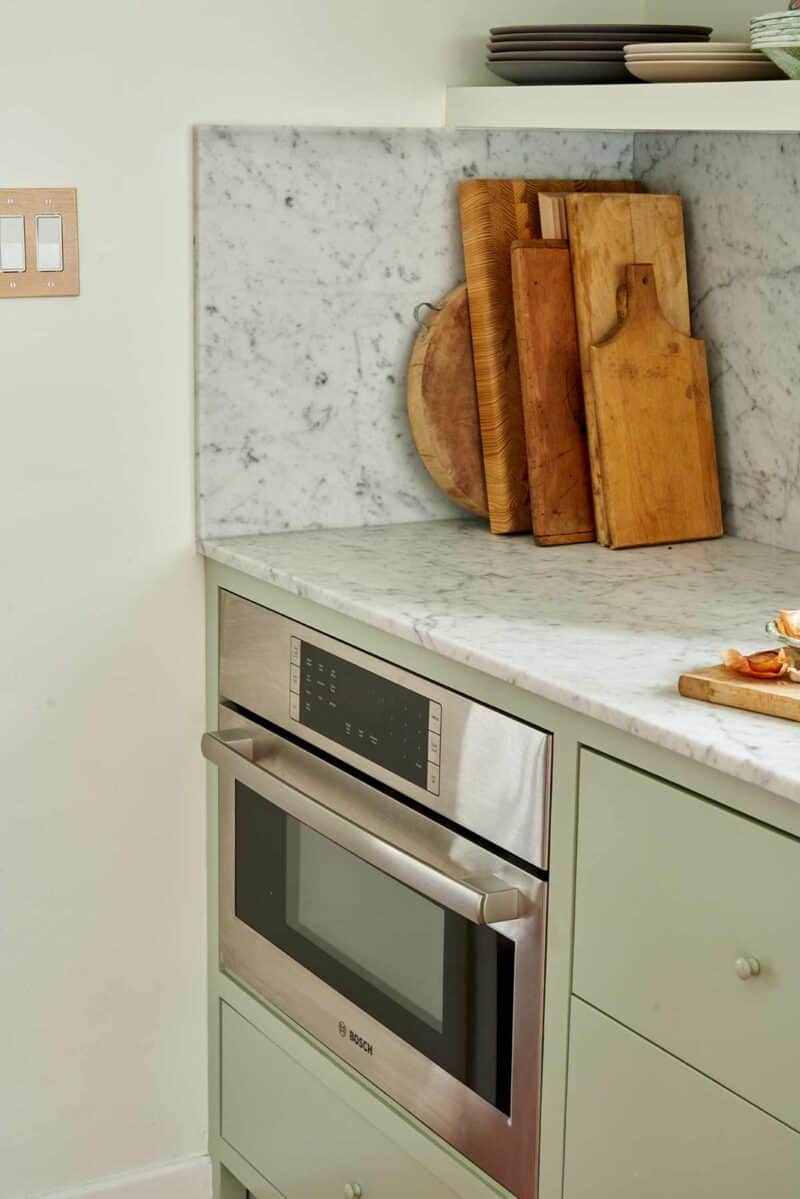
[
  {"x": 687, "y": 930},
  {"x": 642, "y": 1125},
  {"x": 304, "y": 1139}
]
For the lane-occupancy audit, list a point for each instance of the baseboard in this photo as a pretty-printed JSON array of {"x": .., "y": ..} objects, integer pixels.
[{"x": 189, "y": 1178}]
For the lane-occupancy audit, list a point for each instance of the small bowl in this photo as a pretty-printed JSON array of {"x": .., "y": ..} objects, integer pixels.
[
  {"x": 772, "y": 629},
  {"x": 786, "y": 58}
]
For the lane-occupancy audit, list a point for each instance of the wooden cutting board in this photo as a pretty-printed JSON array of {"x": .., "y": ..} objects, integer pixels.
[
  {"x": 552, "y": 393},
  {"x": 718, "y": 686},
  {"x": 607, "y": 234},
  {"x": 443, "y": 403},
  {"x": 495, "y": 213},
  {"x": 657, "y": 458}
]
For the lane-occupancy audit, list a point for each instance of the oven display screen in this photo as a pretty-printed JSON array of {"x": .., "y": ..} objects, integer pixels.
[{"x": 382, "y": 721}]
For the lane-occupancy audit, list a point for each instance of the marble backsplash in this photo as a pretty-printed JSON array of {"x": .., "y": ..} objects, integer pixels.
[
  {"x": 313, "y": 247},
  {"x": 741, "y": 196}
]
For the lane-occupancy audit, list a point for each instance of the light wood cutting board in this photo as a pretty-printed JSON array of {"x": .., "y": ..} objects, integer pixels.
[
  {"x": 443, "y": 403},
  {"x": 607, "y": 233},
  {"x": 657, "y": 458},
  {"x": 717, "y": 685},
  {"x": 552, "y": 393},
  {"x": 494, "y": 214}
]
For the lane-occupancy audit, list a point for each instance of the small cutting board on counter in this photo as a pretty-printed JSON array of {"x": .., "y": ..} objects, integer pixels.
[
  {"x": 717, "y": 685},
  {"x": 552, "y": 393},
  {"x": 443, "y": 403},
  {"x": 656, "y": 465},
  {"x": 494, "y": 214},
  {"x": 607, "y": 233}
]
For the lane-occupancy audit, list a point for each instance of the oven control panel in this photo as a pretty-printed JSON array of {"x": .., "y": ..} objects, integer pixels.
[{"x": 380, "y": 720}]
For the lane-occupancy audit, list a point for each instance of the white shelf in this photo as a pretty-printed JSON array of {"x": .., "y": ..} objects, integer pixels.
[{"x": 761, "y": 106}]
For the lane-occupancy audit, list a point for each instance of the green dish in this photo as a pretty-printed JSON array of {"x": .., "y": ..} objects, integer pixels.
[{"x": 787, "y": 58}]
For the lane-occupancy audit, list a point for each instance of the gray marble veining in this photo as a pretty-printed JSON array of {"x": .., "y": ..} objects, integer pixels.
[
  {"x": 313, "y": 247},
  {"x": 741, "y": 196},
  {"x": 602, "y": 633}
]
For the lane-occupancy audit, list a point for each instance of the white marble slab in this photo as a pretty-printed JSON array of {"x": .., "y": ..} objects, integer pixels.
[
  {"x": 313, "y": 247},
  {"x": 604, "y": 633},
  {"x": 740, "y": 194}
]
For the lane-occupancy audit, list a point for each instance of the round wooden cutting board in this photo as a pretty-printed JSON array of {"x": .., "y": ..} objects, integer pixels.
[{"x": 443, "y": 403}]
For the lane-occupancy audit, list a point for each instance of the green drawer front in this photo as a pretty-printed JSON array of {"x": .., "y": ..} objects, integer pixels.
[
  {"x": 299, "y": 1135},
  {"x": 672, "y": 893},
  {"x": 641, "y": 1125}
]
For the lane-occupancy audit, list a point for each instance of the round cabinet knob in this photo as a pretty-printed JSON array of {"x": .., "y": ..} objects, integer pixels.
[
  {"x": 747, "y": 967},
  {"x": 352, "y": 1190}
]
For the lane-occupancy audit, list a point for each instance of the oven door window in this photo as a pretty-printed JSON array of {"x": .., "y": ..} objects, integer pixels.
[{"x": 441, "y": 983}]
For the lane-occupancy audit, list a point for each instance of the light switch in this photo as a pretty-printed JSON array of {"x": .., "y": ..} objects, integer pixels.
[
  {"x": 49, "y": 244},
  {"x": 12, "y": 243}
]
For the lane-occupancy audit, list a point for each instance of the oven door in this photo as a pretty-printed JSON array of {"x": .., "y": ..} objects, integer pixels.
[{"x": 411, "y": 952}]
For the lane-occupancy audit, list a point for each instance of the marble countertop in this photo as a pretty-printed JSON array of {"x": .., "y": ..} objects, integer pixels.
[{"x": 604, "y": 633}]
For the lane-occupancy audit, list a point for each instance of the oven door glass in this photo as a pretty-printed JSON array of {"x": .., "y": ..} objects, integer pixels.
[{"x": 442, "y": 983}]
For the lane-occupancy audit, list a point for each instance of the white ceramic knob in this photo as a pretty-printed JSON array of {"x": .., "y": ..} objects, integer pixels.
[
  {"x": 352, "y": 1190},
  {"x": 747, "y": 967}
]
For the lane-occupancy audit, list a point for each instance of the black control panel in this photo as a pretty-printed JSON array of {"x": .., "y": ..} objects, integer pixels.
[{"x": 388, "y": 724}]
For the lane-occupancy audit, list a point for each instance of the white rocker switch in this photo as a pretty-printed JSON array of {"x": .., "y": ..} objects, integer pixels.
[
  {"x": 49, "y": 244},
  {"x": 12, "y": 243}
]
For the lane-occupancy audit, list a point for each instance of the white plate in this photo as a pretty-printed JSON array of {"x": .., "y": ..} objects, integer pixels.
[
  {"x": 658, "y": 71},
  {"x": 754, "y": 57},
  {"x": 684, "y": 48}
]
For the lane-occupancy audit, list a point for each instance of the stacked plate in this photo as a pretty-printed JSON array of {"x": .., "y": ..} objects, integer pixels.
[
  {"x": 715, "y": 62},
  {"x": 777, "y": 34},
  {"x": 576, "y": 53}
]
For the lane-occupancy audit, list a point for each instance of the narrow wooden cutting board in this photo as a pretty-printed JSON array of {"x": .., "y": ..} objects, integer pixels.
[
  {"x": 657, "y": 458},
  {"x": 717, "y": 685},
  {"x": 443, "y": 403},
  {"x": 552, "y": 393},
  {"x": 607, "y": 233},
  {"x": 495, "y": 213}
]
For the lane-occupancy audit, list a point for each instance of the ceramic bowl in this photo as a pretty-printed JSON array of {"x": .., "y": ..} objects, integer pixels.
[
  {"x": 772, "y": 629},
  {"x": 787, "y": 58}
]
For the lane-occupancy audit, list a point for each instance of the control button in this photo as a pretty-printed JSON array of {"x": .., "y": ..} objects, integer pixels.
[
  {"x": 434, "y": 716},
  {"x": 294, "y": 678},
  {"x": 294, "y": 706},
  {"x": 49, "y": 244},
  {"x": 12, "y": 243},
  {"x": 294, "y": 655},
  {"x": 434, "y": 748},
  {"x": 433, "y": 778}
]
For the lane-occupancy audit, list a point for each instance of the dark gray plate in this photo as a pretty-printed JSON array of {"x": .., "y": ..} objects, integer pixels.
[
  {"x": 538, "y": 72},
  {"x": 586, "y": 39},
  {"x": 559, "y": 56},
  {"x": 603, "y": 30}
]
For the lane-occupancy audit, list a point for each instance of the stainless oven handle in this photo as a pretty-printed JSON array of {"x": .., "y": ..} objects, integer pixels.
[{"x": 484, "y": 900}]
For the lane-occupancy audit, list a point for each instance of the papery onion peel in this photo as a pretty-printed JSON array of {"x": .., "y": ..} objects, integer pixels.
[{"x": 771, "y": 664}]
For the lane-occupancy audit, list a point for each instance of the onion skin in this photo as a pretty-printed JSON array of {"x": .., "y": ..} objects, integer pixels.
[
  {"x": 788, "y": 623},
  {"x": 770, "y": 664}
]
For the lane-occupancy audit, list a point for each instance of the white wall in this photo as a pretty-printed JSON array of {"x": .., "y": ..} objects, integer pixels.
[
  {"x": 730, "y": 18},
  {"x": 101, "y": 884}
]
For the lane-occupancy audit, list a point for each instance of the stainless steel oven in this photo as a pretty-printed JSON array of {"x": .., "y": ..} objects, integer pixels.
[{"x": 383, "y": 876}]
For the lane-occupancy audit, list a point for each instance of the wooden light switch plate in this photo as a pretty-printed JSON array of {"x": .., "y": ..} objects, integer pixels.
[{"x": 30, "y": 203}]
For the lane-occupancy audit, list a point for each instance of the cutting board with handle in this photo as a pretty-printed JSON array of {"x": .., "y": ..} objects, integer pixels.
[
  {"x": 657, "y": 458},
  {"x": 606, "y": 234},
  {"x": 552, "y": 393},
  {"x": 494, "y": 214},
  {"x": 443, "y": 404},
  {"x": 717, "y": 685}
]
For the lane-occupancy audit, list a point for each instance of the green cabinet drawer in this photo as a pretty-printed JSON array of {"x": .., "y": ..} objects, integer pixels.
[
  {"x": 641, "y": 1125},
  {"x": 674, "y": 897},
  {"x": 301, "y": 1136}
]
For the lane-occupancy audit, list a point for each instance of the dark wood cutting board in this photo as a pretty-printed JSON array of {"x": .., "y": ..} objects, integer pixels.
[
  {"x": 494, "y": 214},
  {"x": 443, "y": 404},
  {"x": 657, "y": 458},
  {"x": 552, "y": 393}
]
